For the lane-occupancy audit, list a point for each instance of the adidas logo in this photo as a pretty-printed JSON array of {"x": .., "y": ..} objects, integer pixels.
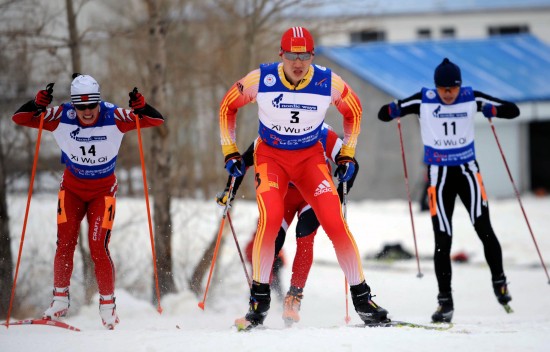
[{"x": 323, "y": 187}]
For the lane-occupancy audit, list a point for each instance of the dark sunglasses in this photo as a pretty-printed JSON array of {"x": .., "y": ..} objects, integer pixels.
[
  {"x": 82, "y": 107},
  {"x": 294, "y": 56}
]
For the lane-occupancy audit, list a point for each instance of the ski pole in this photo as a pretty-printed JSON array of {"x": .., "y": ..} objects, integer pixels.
[
  {"x": 519, "y": 198},
  {"x": 419, "y": 275},
  {"x": 347, "y": 319},
  {"x": 239, "y": 250},
  {"x": 146, "y": 191},
  {"x": 49, "y": 88},
  {"x": 220, "y": 231}
]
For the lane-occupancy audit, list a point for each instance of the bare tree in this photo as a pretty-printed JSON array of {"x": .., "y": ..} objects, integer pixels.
[
  {"x": 160, "y": 148},
  {"x": 14, "y": 70},
  {"x": 74, "y": 43},
  {"x": 6, "y": 263}
]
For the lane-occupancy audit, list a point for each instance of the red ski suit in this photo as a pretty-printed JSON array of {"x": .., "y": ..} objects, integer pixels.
[
  {"x": 286, "y": 153},
  {"x": 88, "y": 187}
]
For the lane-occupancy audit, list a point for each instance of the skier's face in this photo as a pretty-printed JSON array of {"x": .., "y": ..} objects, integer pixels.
[
  {"x": 87, "y": 113},
  {"x": 448, "y": 94},
  {"x": 296, "y": 65}
]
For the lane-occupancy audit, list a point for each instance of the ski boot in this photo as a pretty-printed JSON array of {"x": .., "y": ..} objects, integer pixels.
[
  {"x": 60, "y": 304},
  {"x": 293, "y": 300},
  {"x": 368, "y": 311},
  {"x": 445, "y": 310},
  {"x": 500, "y": 287},
  {"x": 107, "y": 311},
  {"x": 260, "y": 299}
]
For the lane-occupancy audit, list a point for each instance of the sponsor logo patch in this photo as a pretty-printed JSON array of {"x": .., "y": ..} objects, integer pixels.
[{"x": 323, "y": 187}]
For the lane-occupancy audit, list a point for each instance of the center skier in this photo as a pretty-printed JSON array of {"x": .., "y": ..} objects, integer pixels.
[{"x": 293, "y": 98}]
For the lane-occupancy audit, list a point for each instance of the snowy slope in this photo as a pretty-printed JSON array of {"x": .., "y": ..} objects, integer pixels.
[{"x": 480, "y": 323}]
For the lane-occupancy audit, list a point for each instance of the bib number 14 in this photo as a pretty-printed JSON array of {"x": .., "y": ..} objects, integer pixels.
[{"x": 91, "y": 150}]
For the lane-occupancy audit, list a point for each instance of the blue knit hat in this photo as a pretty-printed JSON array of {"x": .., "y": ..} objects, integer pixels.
[{"x": 447, "y": 74}]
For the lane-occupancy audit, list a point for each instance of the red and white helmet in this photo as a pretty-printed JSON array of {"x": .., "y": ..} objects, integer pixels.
[{"x": 297, "y": 40}]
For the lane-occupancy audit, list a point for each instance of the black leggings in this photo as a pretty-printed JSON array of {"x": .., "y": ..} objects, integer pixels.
[{"x": 446, "y": 182}]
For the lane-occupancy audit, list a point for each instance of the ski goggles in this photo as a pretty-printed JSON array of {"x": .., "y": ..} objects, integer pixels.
[
  {"x": 82, "y": 107},
  {"x": 294, "y": 56}
]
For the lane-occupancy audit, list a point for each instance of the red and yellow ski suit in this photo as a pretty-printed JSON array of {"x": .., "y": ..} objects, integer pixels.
[{"x": 289, "y": 150}]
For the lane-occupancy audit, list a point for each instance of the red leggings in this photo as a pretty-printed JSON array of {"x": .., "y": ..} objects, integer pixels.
[
  {"x": 94, "y": 199},
  {"x": 307, "y": 170}
]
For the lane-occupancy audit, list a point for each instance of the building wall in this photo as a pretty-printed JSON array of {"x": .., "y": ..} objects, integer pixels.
[{"x": 470, "y": 25}]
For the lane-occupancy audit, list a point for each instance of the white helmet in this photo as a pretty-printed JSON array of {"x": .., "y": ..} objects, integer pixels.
[{"x": 85, "y": 90}]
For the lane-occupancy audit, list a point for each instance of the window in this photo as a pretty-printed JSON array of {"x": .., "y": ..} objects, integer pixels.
[
  {"x": 371, "y": 35},
  {"x": 424, "y": 33},
  {"x": 510, "y": 29},
  {"x": 447, "y": 32}
]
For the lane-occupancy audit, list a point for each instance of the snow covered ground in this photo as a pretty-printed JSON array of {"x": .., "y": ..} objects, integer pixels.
[{"x": 480, "y": 324}]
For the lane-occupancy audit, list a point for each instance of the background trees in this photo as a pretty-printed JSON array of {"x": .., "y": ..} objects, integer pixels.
[{"x": 181, "y": 54}]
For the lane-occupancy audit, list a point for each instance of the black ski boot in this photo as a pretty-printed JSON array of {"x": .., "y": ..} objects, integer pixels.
[
  {"x": 445, "y": 310},
  {"x": 368, "y": 311},
  {"x": 260, "y": 298},
  {"x": 501, "y": 291}
]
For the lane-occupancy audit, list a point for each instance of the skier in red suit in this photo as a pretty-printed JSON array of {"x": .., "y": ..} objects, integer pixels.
[
  {"x": 293, "y": 97},
  {"x": 89, "y": 132}
]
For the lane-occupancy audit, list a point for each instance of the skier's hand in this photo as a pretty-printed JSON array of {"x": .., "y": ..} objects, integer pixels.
[
  {"x": 234, "y": 164},
  {"x": 345, "y": 169},
  {"x": 44, "y": 97},
  {"x": 394, "y": 110},
  {"x": 137, "y": 100},
  {"x": 489, "y": 110},
  {"x": 221, "y": 198}
]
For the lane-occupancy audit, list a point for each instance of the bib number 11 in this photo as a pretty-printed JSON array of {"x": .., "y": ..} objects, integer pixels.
[{"x": 448, "y": 126}]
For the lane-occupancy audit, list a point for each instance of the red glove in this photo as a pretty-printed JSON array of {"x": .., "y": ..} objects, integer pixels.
[
  {"x": 137, "y": 101},
  {"x": 43, "y": 99}
]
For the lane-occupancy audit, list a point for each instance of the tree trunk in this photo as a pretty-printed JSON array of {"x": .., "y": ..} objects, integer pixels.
[
  {"x": 160, "y": 150},
  {"x": 90, "y": 284},
  {"x": 6, "y": 263},
  {"x": 74, "y": 42}
]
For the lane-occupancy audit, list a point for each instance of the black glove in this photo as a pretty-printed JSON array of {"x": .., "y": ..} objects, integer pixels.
[
  {"x": 137, "y": 101},
  {"x": 44, "y": 97},
  {"x": 221, "y": 198}
]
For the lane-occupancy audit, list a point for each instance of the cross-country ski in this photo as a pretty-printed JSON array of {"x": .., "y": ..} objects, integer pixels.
[{"x": 46, "y": 322}]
